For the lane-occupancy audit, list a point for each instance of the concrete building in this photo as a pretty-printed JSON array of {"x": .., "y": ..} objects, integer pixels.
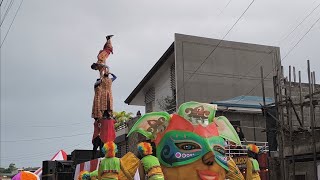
[{"x": 205, "y": 70}]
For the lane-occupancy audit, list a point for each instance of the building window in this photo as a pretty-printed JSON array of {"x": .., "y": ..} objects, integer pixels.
[
  {"x": 173, "y": 78},
  {"x": 149, "y": 107},
  {"x": 149, "y": 100}
]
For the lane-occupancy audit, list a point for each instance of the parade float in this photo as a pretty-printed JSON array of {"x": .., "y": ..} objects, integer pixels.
[{"x": 192, "y": 140}]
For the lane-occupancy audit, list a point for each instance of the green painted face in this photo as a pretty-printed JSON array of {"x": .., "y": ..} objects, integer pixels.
[{"x": 178, "y": 148}]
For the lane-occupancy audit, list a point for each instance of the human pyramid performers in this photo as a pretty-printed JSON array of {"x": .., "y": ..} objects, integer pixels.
[{"x": 102, "y": 108}]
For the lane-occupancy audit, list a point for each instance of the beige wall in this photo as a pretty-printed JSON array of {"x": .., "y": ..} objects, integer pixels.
[{"x": 233, "y": 69}]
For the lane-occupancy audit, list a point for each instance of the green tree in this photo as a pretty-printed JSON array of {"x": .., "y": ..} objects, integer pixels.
[
  {"x": 10, "y": 169},
  {"x": 167, "y": 104},
  {"x": 121, "y": 117},
  {"x": 2, "y": 170}
]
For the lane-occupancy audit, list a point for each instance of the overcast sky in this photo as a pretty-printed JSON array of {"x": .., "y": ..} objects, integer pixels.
[{"x": 46, "y": 80}]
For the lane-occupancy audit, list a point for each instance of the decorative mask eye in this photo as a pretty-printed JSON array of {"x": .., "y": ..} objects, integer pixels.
[
  {"x": 188, "y": 146},
  {"x": 219, "y": 149}
]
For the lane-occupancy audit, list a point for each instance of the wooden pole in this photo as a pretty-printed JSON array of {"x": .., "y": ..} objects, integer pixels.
[
  {"x": 291, "y": 128},
  {"x": 312, "y": 124},
  {"x": 294, "y": 74},
  {"x": 262, "y": 85},
  {"x": 280, "y": 110},
  {"x": 312, "y": 85},
  {"x": 301, "y": 103}
]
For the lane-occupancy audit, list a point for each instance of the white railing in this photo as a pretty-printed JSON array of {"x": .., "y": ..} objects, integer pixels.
[{"x": 241, "y": 150}]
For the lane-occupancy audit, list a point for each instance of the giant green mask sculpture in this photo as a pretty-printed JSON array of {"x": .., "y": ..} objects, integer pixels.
[{"x": 192, "y": 141}]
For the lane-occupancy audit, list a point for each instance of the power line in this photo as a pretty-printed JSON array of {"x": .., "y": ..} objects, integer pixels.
[
  {"x": 282, "y": 59},
  {"x": 259, "y": 62},
  {"x": 5, "y": 6},
  {"x": 1, "y": 3},
  {"x": 11, "y": 24},
  {"x": 224, "y": 8},
  {"x": 45, "y": 153},
  {"x": 38, "y": 139},
  {"x": 301, "y": 38},
  {"x": 300, "y": 22},
  {"x": 43, "y": 126},
  {"x": 217, "y": 45},
  {"x": 7, "y": 11}
]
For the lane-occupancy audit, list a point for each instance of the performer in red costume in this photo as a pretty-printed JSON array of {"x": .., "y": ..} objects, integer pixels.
[{"x": 108, "y": 132}]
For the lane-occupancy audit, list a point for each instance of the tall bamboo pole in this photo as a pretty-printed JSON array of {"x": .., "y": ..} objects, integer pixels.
[{"x": 312, "y": 124}]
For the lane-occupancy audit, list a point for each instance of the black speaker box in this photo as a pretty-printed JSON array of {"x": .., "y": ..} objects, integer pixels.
[
  {"x": 64, "y": 166},
  {"x": 80, "y": 156},
  {"x": 48, "y": 167},
  {"x": 64, "y": 176},
  {"x": 69, "y": 157},
  {"x": 48, "y": 177}
]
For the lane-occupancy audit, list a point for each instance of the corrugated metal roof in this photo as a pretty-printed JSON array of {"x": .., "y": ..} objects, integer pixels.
[{"x": 254, "y": 102}]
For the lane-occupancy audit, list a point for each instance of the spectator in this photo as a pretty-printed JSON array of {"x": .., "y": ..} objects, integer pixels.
[
  {"x": 240, "y": 134},
  {"x": 138, "y": 113}
]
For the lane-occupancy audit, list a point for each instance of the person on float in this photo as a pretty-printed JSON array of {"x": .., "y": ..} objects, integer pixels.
[
  {"x": 109, "y": 167},
  {"x": 252, "y": 172},
  {"x": 103, "y": 55},
  {"x": 102, "y": 110},
  {"x": 85, "y": 175},
  {"x": 103, "y": 99},
  {"x": 94, "y": 175},
  {"x": 150, "y": 166}
]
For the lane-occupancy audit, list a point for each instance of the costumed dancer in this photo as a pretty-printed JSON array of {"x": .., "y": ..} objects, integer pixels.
[
  {"x": 253, "y": 169},
  {"x": 103, "y": 99},
  {"x": 96, "y": 140},
  {"x": 109, "y": 167},
  {"x": 85, "y": 175},
  {"x": 102, "y": 109},
  {"x": 102, "y": 56},
  {"x": 150, "y": 166},
  {"x": 233, "y": 173}
]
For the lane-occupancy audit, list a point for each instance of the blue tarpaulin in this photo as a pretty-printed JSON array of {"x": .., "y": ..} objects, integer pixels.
[{"x": 254, "y": 102}]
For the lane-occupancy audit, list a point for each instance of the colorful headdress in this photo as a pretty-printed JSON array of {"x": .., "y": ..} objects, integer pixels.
[
  {"x": 84, "y": 175},
  {"x": 109, "y": 149},
  {"x": 253, "y": 148},
  {"x": 144, "y": 148}
]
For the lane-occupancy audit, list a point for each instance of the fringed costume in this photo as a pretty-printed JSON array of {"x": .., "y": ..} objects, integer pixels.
[
  {"x": 150, "y": 165},
  {"x": 109, "y": 167},
  {"x": 253, "y": 169}
]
